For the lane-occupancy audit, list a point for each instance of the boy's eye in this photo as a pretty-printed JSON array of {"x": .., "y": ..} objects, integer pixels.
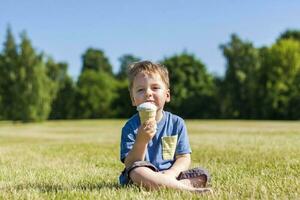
[
  {"x": 156, "y": 87},
  {"x": 140, "y": 90}
]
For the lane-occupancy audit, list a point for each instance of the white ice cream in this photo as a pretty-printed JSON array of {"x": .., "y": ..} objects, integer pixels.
[{"x": 147, "y": 106}]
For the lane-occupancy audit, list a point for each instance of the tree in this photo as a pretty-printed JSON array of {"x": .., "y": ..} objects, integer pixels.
[
  {"x": 281, "y": 70},
  {"x": 290, "y": 34},
  {"x": 63, "y": 93},
  {"x": 125, "y": 61},
  {"x": 63, "y": 106},
  {"x": 57, "y": 73},
  {"x": 122, "y": 103},
  {"x": 94, "y": 59},
  {"x": 95, "y": 94},
  {"x": 192, "y": 87},
  {"x": 294, "y": 106},
  {"x": 31, "y": 93},
  {"x": 8, "y": 66},
  {"x": 239, "y": 90}
]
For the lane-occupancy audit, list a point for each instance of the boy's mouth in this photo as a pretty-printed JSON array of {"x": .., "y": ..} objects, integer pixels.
[{"x": 150, "y": 101}]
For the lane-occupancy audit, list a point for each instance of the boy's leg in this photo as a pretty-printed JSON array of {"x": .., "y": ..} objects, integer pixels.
[{"x": 153, "y": 180}]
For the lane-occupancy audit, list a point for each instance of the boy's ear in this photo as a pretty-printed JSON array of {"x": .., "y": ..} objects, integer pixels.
[{"x": 168, "y": 99}]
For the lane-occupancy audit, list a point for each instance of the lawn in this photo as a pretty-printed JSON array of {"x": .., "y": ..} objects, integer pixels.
[{"x": 80, "y": 160}]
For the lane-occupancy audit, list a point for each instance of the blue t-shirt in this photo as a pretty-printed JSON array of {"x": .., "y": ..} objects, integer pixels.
[{"x": 171, "y": 139}]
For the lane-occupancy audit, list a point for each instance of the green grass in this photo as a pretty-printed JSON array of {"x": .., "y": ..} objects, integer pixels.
[{"x": 80, "y": 160}]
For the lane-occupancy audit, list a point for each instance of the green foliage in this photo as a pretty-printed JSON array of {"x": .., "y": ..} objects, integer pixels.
[
  {"x": 122, "y": 103},
  {"x": 95, "y": 94},
  {"x": 192, "y": 88},
  {"x": 63, "y": 106},
  {"x": 281, "y": 71},
  {"x": 259, "y": 83},
  {"x": 239, "y": 90},
  {"x": 25, "y": 87},
  {"x": 32, "y": 93},
  {"x": 56, "y": 71},
  {"x": 290, "y": 34},
  {"x": 63, "y": 93},
  {"x": 8, "y": 75},
  {"x": 95, "y": 59}
]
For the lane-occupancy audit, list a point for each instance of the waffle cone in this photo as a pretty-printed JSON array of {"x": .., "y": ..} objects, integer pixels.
[{"x": 146, "y": 115}]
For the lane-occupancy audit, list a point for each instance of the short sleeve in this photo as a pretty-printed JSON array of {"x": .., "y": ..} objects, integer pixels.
[
  {"x": 127, "y": 141},
  {"x": 183, "y": 144}
]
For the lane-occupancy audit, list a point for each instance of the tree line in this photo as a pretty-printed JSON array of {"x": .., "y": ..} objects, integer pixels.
[{"x": 259, "y": 83}]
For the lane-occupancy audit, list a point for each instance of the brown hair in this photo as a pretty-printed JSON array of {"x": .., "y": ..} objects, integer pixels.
[{"x": 147, "y": 67}]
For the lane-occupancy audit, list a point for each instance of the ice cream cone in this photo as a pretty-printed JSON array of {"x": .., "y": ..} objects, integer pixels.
[{"x": 146, "y": 111}]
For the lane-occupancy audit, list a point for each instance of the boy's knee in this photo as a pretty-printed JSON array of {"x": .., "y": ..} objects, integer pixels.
[
  {"x": 138, "y": 174},
  {"x": 144, "y": 176}
]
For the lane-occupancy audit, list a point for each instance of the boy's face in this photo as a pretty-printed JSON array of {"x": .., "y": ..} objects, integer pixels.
[{"x": 149, "y": 88}]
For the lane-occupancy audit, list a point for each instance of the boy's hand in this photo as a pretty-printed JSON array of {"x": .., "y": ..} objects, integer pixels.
[{"x": 146, "y": 131}]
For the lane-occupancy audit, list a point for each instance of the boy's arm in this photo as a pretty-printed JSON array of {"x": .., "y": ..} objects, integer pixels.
[
  {"x": 137, "y": 152},
  {"x": 181, "y": 163},
  {"x": 144, "y": 135}
]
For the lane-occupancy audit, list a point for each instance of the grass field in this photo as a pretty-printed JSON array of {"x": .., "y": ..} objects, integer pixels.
[{"x": 80, "y": 160}]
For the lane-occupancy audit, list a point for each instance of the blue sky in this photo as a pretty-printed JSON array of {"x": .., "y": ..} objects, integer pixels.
[{"x": 151, "y": 30}]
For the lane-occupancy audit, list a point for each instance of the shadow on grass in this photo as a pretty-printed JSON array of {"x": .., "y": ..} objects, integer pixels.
[{"x": 48, "y": 187}]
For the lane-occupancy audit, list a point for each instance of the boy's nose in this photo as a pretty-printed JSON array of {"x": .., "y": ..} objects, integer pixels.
[{"x": 148, "y": 92}]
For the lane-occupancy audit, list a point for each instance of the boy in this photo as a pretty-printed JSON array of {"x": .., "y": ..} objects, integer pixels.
[{"x": 156, "y": 153}]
